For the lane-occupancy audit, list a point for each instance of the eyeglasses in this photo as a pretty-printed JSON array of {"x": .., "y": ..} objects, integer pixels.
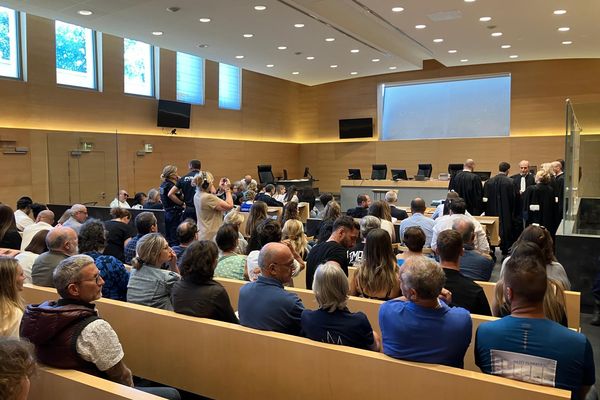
[
  {"x": 97, "y": 278},
  {"x": 288, "y": 265}
]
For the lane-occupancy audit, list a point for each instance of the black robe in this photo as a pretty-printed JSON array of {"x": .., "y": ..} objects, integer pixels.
[
  {"x": 468, "y": 186},
  {"x": 560, "y": 193},
  {"x": 543, "y": 196},
  {"x": 502, "y": 202}
]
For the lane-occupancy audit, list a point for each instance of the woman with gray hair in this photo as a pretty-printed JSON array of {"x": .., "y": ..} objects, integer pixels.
[
  {"x": 420, "y": 327},
  {"x": 333, "y": 322}
]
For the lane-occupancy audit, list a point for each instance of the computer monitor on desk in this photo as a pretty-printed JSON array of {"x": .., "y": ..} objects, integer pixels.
[
  {"x": 354, "y": 174},
  {"x": 453, "y": 169},
  {"x": 425, "y": 170},
  {"x": 399, "y": 175},
  {"x": 379, "y": 171}
]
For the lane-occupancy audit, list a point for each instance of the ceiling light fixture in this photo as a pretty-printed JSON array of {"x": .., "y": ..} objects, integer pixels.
[
  {"x": 438, "y": 40},
  {"x": 329, "y": 39},
  {"x": 452, "y": 51},
  {"x": 564, "y": 29},
  {"x": 397, "y": 9},
  {"x": 559, "y": 12},
  {"x": 496, "y": 34},
  {"x": 354, "y": 51},
  {"x": 204, "y": 19},
  {"x": 420, "y": 26},
  {"x": 239, "y": 57},
  {"x": 353, "y": 73},
  {"x": 485, "y": 19},
  {"x": 260, "y": 8},
  {"x": 506, "y": 46},
  {"x": 375, "y": 60},
  {"x": 333, "y": 66},
  {"x": 281, "y": 47},
  {"x": 469, "y": 1},
  {"x": 84, "y": 12},
  {"x": 310, "y": 58},
  {"x": 513, "y": 56},
  {"x": 392, "y": 68},
  {"x": 295, "y": 73},
  {"x": 298, "y": 25},
  {"x": 248, "y": 35},
  {"x": 464, "y": 60},
  {"x": 157, "y": 33},
  {"x": 270, "y": 65},
  {"x": 567, "y": 42}
]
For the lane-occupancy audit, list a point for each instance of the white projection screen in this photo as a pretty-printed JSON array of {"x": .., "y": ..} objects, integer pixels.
[{"x": 466, "y": 107}]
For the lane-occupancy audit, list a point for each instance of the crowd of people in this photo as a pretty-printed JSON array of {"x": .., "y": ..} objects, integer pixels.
[{"x": 428, "y": 290}]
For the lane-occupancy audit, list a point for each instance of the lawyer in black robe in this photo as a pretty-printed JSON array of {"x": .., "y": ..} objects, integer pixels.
[
  {"x": 501, "y": 198},
  {"x": 468, "y": 186},
  {"x": 540, "y": 206}
]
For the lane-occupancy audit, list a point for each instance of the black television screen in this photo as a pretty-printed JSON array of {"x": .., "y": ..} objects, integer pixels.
[
  {"x": 173, "y": 114},
  {"x": 356, "y": 128}
]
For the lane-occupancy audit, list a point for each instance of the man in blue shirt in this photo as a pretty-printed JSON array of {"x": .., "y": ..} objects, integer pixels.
[
  {"x": 265, "y": 304},
  {"x": 473, "y": 264},
  {"x": 145, "y": 222},
  {"x": 525, "y": 345},
  {"x": 417, "y": 208}
]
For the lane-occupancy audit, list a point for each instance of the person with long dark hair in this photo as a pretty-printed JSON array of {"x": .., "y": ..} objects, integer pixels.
[{"x": 9, "y": 235}]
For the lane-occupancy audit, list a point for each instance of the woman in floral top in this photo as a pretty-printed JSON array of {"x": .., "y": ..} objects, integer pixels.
[{"x": 230, "y": 264}]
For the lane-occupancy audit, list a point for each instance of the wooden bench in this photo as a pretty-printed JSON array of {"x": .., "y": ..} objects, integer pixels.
[
  {"x": 227, "y": 361},
  {"x": 492, "y": 228},
  {"x": 67, "y": 384}
]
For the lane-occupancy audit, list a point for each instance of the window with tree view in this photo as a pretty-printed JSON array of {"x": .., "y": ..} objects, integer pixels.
[
  {"x": 75, "y": 55},
  {"x": 9, "y": 43},
  {"x": 139, "y": 71}
]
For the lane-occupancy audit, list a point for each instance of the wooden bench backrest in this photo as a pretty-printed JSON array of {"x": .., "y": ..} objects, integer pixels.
[
  {"x": 227, "y": 361},
  {"x": 67, "y": 384}
]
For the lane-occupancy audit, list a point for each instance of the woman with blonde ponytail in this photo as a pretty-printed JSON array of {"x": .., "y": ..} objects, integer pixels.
[
  {"x": 377, "y": 277},
  {"x": 293, "y": 231},
  {"x": 11, "y": 303}
]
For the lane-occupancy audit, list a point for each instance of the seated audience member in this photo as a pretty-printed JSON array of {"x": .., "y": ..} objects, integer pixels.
[
  {"x": 121, "y": 200},
  {"x": 153, "y": 202},
  {"x": 235, "y": 218},
  {"x": 230, "y": 264},
  {"x": 292, "y": 195},
  {"x": 293, "y": 232},
  {"x": 457, "y": 211},
  {"x": 258, "y": 213},
  {"x": 267, "y": 197},
  {"x": 421, "y": 327},
  {"x": 145, "y": 223},
  {"x": 78, "y": 213},
  {"x": 187, "y": 233},
  {"x": 149, "y": 285},
  {"x": 210, "y": 208},
  {"x": 381, "y": 210},
  {"x": 17, "y": 367},
  {"x": 554, "y": 300},
  {"x": 377, "y": 275},
  {"x": 443, "y": 208},
  {"x": 367, "y": 224},
  {"x": 331, "y": 212},
  {"x": 417, "y": 208},
  {"x": 465, "y": 293},
  {"x": 363, "y": 202},
  {"x": 119, "y": 233},
  {"x": 92, "y": 240},
  {"x": 265, "y": 304},
  {"x": 247, "y": 200},
  {"x": 414, "y": 239},
  {"x": 319, "y": 211},
  {"x": 473, "y": 264},
  {"x": 69, "y": 333},
  {"x": 391, "y": 197},
  {"x": 279, "y": 193},
  {"x": 247, "y": 182},
  {"x": 9, "y": 235},
  {"x": 139, "y": 200},
  {"x": 11, "y": 303},
  {"x": 197, "y": 293},
  {"x": 332, "y": 322},
  {"x": 290, "y": 211},
  {"x": 542, "y": 238},
  {"x": 268, "y": 231},
  {"x": 27, "y": 257},
  {"x": 528, "y": 339},
  {"x": 44, "y": 221},
  {"x": 62, "y": 242},
  {"x": 23, "y": 214},
  {"x": 343, "y": 237},
  {"x": 236, "y": 193}
]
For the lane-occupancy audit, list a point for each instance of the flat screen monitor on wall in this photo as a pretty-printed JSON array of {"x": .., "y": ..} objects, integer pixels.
[
  {"x": 356, "y": 128},
  {"x": 173, "y": 114}
]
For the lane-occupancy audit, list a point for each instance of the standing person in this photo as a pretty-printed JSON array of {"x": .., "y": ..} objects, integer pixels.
[
  {"x": 9, "y": 235},
  {"x": 522, "y": 181},
  {"x": 119, "y": 233},
  {"x": 539, "y": 203},
  {"x": 11, "y": 303},
  {"x": 500, "y": 198},
  {"x": 121, "y": 200},
  {"x": 173, "y": 208},
  {"x": 468, "y": 186},
  {"x": 185, "y": 185},
  {"x": 382, "y": 210},
  {"x": 210, "y": 208}
]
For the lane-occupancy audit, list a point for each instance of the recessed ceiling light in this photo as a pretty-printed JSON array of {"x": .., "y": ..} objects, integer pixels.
[
  {"x": 397, "y": 9},
  {"x": 240, "y": 57},
  {"x": 84, "y": 12},
  {"x": 295, "y": 73},
  {"x": 506, "y": 46},
  {"x": 353, "y": 73},
  {"x": 567, "y": 42},
  {"x": 260, "y": 8},
  {"x": 248, "y": 35},
  {"x": 420, "y": 26},
  {"x": 329, "y": 39},
  {"x": 438, "y": 40},
  {"x": 204, "y": 20},
  {"x": 496, "y": 34},
  {"x": 173, "y": 9},
  {"x": 452, "y": 51},
  {"x": 375, "y": 60},
  {"x": 513, "y": 56},
  {"x": 560, "y": 12},
  {"x": 270, "y": 65},
  {"x": 564, "y": 29},
  {"x": 203, "y": 45},
  {"x": 469, "y": 1},
  {"x": 157, "y": 33},
  {"x": 281, "y": 47},
  {"x": 393, "y": 68},
  {"x": 485, "y": 19},
  {"x": 310, "y": 58},
  {"x": 464, "y": 60},
  {"x": 298, "y": 25},
  {"x": 354, "y": 51},
  {"x": 333, "y": 66}
]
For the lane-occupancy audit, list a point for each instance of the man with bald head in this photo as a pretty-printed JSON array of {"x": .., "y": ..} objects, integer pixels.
[
  {"x": 522, "y": 181},
  {"x": 44, "y": 221},
  {"x": 78, "y": 216},
  {"x": 62, "y": 243},
  {"x": 468, "y": 186},
  {"x": 417, "y": 208},
  {"x": 265, "y": 304},
  {"x": 473, "y": 264}
]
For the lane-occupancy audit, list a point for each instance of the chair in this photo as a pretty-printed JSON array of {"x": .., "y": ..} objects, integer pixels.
[
  {"x": 265, "y": 174},
  {"x": 425, "y": 170},
  {"x": 379, "y": 171}
]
